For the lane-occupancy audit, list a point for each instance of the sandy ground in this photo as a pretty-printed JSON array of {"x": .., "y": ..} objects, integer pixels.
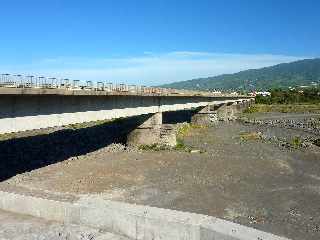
[{"x": 251, "y": 182}]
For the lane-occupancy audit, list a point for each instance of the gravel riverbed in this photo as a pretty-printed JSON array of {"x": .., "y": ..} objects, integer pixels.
[{"x": 235, "y": 172}]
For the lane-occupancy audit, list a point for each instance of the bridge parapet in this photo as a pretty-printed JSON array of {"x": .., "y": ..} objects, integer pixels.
[{"x": 21, "y": 84}]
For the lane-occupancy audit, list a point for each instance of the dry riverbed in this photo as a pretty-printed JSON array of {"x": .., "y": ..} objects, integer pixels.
[{"x": 256, "y": 174}]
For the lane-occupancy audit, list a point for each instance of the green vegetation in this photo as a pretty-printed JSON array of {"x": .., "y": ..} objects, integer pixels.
[
  {"x": 286, "y": 101},
  {"x": 296, "y": 142},
  {"x": 180, "y": 146},
  {"x": 304, "y": 72},
  {"x": 185, "y": 128},
  {"x": 279, "y": 96},
  {"x": 183, "y": 131},
  {"x": 253, "y": 109},
  {"x": 153, "y": 147},
  {"x": 284, "y": 108}
]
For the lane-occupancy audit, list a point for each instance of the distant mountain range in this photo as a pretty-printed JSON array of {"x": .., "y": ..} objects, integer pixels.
[{"x": 303, "y": 72}]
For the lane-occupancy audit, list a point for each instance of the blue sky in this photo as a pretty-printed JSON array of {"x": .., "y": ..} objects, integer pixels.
[{"x": 153, "y": 42}]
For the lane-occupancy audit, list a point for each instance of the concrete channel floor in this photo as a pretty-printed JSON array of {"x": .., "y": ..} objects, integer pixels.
[
  {"x": 250, "y": 182},
  {"x": 21, "y": 227}
]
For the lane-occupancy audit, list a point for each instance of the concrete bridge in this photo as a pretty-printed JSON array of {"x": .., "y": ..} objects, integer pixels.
[{"x": 23, "y": 109}]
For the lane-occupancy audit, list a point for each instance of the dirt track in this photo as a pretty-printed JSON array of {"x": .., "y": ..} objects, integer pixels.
[{"x": 245, "y": 180}]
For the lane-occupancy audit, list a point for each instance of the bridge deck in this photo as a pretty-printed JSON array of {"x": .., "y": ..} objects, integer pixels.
[{"x": 73, "y": 92}]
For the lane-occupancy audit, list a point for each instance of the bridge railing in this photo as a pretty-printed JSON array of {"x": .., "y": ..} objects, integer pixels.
[{"x": 42, "y": 82}]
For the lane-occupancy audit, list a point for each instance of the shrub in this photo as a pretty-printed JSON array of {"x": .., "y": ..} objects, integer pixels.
[{"x": 296, "y": 142}]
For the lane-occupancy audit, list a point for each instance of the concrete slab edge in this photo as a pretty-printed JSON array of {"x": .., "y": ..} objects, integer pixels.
[{"x": 130, "y": 220}]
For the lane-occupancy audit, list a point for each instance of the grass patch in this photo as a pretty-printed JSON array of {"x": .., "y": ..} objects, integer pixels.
[
  {"x": 183, "y": 131},
  {"x": 296, "y": 142},
  {"x": 180, "y": 146},
  {"x": 284, "y": 108},
  {"x": 185, "y": 128},
  {"x": 251, "y": 109},
  {"x": 153, "y": 147}
]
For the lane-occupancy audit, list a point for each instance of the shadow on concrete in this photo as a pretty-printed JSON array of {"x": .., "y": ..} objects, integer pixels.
[
  {"x": 33, "y": 105},
  {"x": 178, "y": 116},
  {"x": 23, "y": 154}
]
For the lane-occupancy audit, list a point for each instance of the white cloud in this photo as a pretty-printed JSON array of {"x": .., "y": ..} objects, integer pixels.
[{"x": 149, "y": 68}]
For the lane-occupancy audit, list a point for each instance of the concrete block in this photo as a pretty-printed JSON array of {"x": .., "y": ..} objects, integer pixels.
[
  {"x": 214, "y": 228},
  {"x": 139, "y": 222}
]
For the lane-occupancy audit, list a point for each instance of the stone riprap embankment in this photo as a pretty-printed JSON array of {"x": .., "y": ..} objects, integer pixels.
[
  {"x": 307, "y": 124},
  {"x": 287, "y": 130}
]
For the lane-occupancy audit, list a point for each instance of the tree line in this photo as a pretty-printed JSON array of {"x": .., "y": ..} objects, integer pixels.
[{"x": 281, "y": 96}]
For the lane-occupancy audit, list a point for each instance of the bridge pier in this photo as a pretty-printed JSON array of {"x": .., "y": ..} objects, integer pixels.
[
  {"x": 210, "y": 114},
  {"x": 205, "y": 116},
  {"x": 226, "y": 112},
  {"x": 152, "y": 131},
  {"x": 231, "y": 111}
]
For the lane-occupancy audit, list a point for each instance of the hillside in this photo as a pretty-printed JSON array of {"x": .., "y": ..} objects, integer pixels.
[{"x": 284, "y": 75}]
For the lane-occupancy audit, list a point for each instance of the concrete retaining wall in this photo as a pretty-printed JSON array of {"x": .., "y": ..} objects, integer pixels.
[{"x": 133, "y": 221}]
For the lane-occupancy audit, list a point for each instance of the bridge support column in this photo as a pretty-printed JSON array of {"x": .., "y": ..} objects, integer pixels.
[
  {"x": 152, "y": 132},
  {"x": 231, "y": 111},
  {"x": 251, "y": 102},
  {"x": 205, "y": 116},
  {"x": 227, "y": 112},
  {"x": 246, "y": 104}
]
